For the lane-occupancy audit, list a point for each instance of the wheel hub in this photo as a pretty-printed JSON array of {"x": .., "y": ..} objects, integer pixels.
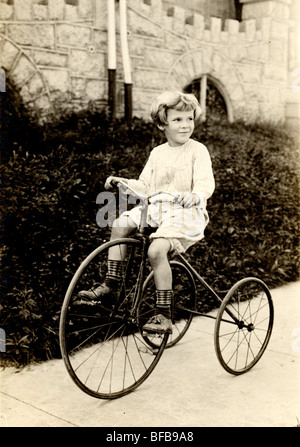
[{"x": 250, "y": 327}]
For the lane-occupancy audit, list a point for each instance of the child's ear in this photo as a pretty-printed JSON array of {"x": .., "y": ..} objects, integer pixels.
[{"x": 161, "y": 127}]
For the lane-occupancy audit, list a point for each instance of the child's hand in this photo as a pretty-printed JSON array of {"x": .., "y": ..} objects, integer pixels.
[
  {"x": 111, "y": 181},
  {"x": 188, "y": 199}
]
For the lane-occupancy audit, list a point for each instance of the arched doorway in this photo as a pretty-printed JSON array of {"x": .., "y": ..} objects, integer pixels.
[{"x": 208, "y": 91}]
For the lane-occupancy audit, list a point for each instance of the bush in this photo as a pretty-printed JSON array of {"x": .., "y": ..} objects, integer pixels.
[{"x": 49, "y": 213}]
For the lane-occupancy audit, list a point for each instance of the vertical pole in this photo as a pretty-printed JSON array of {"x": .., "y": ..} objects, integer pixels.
[
  {"x": 126, "y": 61},
  {"x": 112, "y": 58},
  {"x": 238, "y": 10},
  {"x": 128, "y": 102},
  {"x": 203, "y": 86}
]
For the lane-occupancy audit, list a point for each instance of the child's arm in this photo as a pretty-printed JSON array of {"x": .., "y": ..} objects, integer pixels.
[
  {"x": 142, "y": 184},
  {"x": 109, "y": 183},
  {"x": 203, "y": 177}
]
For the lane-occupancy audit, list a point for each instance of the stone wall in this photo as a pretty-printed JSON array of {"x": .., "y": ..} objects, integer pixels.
[{"x": 55, "y": 53}]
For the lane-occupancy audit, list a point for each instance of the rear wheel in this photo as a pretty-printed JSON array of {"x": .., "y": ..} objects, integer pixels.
[{"x": 101, "y": 344}]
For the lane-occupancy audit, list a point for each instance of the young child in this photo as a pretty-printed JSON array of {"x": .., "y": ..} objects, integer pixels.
[{"x": 181, "y": 166}]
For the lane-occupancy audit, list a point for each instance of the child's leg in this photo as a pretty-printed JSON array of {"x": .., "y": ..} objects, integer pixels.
[
  {"x": 122, "y": 227},
  {"x": 158, "y": 256}
]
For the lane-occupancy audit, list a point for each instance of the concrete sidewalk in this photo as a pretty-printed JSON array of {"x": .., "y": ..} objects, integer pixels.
[{"x": 188, "y": 388}]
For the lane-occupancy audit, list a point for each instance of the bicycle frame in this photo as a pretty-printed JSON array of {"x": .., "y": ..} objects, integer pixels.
[
  {"x": 145, "y": 241},
  {"x": 207, "y": 287}
]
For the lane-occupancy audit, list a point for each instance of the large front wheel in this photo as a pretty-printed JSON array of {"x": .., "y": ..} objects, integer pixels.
[
  {"x": 244, "y": 325},
  {"x": 101, "y": 344}
]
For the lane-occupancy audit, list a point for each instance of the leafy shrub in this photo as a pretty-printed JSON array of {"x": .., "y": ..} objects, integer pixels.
[{"x": 49, "y": 211}]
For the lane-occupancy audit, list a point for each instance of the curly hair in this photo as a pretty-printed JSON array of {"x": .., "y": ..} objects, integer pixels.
[{"x": 173, "y": 100}]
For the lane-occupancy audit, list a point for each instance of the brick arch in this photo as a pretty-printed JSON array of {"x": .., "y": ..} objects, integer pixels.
[
  {"x": 195, "y": 63},
  {"x": 22, "y": 72}
]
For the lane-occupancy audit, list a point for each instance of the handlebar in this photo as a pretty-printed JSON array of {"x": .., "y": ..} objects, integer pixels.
[{"x": 151, "y": 197}]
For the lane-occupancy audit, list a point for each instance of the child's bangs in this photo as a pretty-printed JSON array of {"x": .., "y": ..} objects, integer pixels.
[{"x": 183, "y": 106}]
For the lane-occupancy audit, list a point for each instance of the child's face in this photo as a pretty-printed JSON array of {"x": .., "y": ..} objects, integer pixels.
[{"x": 180, "y": 126}]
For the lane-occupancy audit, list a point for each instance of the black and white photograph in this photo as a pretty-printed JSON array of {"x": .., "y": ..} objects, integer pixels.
[{"x": 150, "y": 216}]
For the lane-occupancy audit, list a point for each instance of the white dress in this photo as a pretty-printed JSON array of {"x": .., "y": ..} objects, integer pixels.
[{"x": 175, "y": 170}]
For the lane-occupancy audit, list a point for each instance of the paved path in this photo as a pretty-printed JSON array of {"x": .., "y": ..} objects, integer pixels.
[{"x": 188, "y": 388}]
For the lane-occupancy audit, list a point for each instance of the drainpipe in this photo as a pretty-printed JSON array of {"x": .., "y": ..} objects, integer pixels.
[
  {"x": 203, "y": 87},
  {"x": 238, "y": 9},
  {"x": 126, "y": 60},
  {"x": 112, "y": 58}
]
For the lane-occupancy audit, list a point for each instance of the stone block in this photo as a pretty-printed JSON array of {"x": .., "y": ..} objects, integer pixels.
[
  {"x": 95, "y": 90},
  {"x": 82, "y": 63},
  {"x": 234, "y": 52},
  {"x": 174, "y": 43},
  {"x": 78, "y": 87},
  {"x": 100, "y": 14},
  {"x": 179, "y": 20},
  {"x": 140, "y": 25},
  {"x": 237, "y": 95},
  {"x": 39, "y": 12},
  {"x": 85, "y": 9},
  {"x": 265, "y": 28},
  {"x": 71, "y": 13},
  {"x": 197, "y": 61},
  {"x": 51, "y": 59},
  {"x": 215, "y": 28},
  {"x": 276, "y": 72},
  {"x": 278, "y": 51},
  {"x": 257, "y": 51},
  {"x": 73, "y": 35},
  {"x": 250, "y": 29},
  {"x": 56, "y": 79},
  {"x": 33, "y": 88},
  {"x": 23, "y": 9},
  {"x": 56, "y": 9},
  {"x": 271, "y": 112},
  {"x": 156, "y": 10},
  {"x": 216, "y": 63},
  {"x": 158, "y": 58},
  {"x": 8, "y": 55},
  {"x": 279, "y": 30},
  {"x": 149, "y": 79},
  {"x": 232, "y": 26},
  {"x": 26, "y": 34},
  {"x": 100, "y": 40},
  {"x": 250, "y": 73},
  {"x": 6, "y": 11},
  {"x": 22, "y": 71},
  {"x": 189, "y": 67},
  {"x": 274, "y": 94},
  {"x": 293, "y": 110}
]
